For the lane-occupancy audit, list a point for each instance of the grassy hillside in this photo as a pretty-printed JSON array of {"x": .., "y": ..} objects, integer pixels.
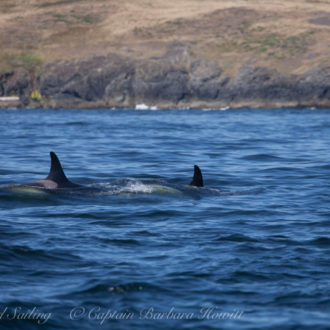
[{"x": 292, "y": 36}]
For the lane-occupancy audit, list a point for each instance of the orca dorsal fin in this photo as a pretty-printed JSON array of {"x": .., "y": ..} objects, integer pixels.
[
  {"x": 56, "y": 172},
  {"x": 197, "y": 180}
]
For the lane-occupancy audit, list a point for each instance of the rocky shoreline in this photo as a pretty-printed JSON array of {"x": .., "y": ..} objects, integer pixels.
[{"x": 177, "y": 79}]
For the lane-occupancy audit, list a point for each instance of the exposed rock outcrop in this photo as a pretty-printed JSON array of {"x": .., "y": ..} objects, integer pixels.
[
  {"x": 107, "y": 80},
  {"x": 17, "y": 83},
  {"x": 177, "y": 79}
]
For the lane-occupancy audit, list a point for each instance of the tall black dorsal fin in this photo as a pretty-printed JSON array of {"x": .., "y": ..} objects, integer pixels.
[
  {"x": 197, "y": 178},
  {"x": 56, "y": 172}
]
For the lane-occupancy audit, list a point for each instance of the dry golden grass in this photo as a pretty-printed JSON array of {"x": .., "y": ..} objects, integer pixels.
[{"x": 291, "y": 35}]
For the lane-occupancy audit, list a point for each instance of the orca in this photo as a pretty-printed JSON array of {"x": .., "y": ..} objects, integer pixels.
[
  {"x": 56, "y": 178},
  {"x": 197, "y": 180},
  {"x": 56, "y": 181}
]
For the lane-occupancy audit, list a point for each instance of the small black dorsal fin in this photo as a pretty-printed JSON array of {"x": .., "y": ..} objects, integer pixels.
[
  {"x": 197, "y": 178},
  {"x": 56, "y": 172}
]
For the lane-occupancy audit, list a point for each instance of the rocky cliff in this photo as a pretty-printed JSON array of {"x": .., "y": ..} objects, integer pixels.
[{"x": 178, "y": 79}]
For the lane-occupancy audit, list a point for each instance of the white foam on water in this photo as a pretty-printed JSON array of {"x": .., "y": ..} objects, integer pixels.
[
  {"x": 127, "y": 187},
  {"x": 143, "y": 106},
  {"x": 137, "y": 187},
  {"x": 132, "y": 186},
  {"x": 216, "y": 109}
]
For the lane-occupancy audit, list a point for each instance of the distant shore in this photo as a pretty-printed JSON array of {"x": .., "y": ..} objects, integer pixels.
[
  {"x": 165, "y": 54},
  {"x": 176, "y": 79}
]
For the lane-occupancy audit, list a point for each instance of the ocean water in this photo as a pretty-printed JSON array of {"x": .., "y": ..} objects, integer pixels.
[{"x": 250, "y": 250}]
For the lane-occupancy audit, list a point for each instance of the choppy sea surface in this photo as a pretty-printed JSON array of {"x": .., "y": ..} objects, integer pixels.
[{"x": 250, "y": 250}]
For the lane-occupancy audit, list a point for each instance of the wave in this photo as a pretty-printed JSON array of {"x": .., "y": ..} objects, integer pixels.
[{"x": 264, "y": 157}]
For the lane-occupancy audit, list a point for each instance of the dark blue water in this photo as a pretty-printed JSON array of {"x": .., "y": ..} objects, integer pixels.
[{"x": 248, "y": 251}]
